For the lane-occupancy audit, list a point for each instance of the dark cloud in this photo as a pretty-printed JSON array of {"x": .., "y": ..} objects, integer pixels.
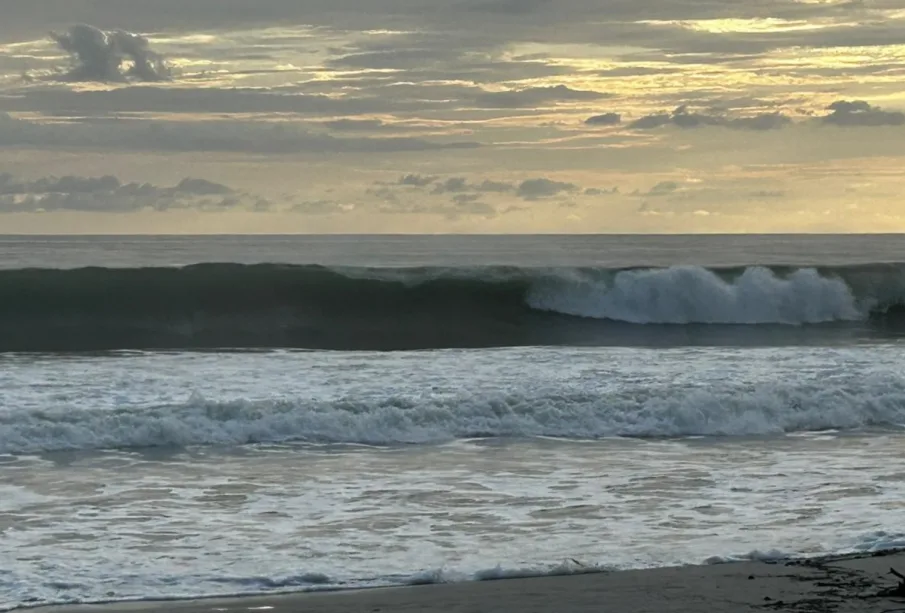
[
  {"x": 596, "y": 191},
  {"x": 605, "y": 119},
  {"x": 465, "y": 191},
  {"x": 417, "y": 180},
  {"x": 663, "y": 188},
  {"x": 452, "y": 184},
  {"x": 860, "y": 113},
  {"x": 649, "y": 122},
  {"x": 9, "y": 185},
  {"x": 493, "y": 186},
  {"x": 383, "y": 193},
  {"x": 534, "y": 96},
  {"x": 497, "y": 21},
  {"x": 455, "y": 184},
  {"x": 382, "y": 13},
  {"x": 682, "y": 117},
  {"x": 466, "y": 198},
  {"x": 113, "y": 55},
  {"x": 110, "y": 195},
  {"x": 202, "y": 187},
  {"x": 536, "y": 189}
]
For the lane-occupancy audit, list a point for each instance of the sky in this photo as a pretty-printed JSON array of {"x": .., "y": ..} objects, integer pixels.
[{"x": 451, "y": 116}]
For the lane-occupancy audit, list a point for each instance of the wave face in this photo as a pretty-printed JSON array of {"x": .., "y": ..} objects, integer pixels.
[
  {"x": 270, "y": 305},
  {"x": 634, "y": 413}
]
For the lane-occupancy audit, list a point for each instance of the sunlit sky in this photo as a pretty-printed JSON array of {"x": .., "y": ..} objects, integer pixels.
[{"x": 285, "y": 116}]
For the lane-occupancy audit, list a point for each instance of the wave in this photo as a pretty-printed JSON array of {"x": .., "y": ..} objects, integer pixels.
[
  {"x": 642, "y": 413},
  {"x": 272, "y": 305}
]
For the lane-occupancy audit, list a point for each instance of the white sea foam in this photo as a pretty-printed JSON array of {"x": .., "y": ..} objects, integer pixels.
[
  {"x": 308, "y": 582},
  {"x": 569, "y": 566},
  {"x": 662, "y": 411},
  {"x": 691, "y": 294},
  {"x": 278, "y": 518},
  {"x": 871, "y": 542}
]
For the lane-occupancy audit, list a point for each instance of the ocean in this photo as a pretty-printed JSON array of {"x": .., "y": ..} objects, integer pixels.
[{"x": 198, "y": 416}]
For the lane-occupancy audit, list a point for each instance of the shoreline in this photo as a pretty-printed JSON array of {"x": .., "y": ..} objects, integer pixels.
[{"x": 851, "y": 582}]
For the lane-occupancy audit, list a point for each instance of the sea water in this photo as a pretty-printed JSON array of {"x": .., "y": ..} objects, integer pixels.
[{"x": 232, "y": 415}]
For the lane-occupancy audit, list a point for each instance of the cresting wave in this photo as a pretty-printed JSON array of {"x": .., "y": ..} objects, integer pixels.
[
  {"x": 394, "y": 420},
  {"x": 271, "y": 305}
]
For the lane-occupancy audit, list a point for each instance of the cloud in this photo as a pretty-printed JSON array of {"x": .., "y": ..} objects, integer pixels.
[
  {"x": 455, "y": 184},
  {"x": 761, "y": 121},
  {"x": 536, "y": 189},
  {"x": 508, "y": 7},
  {"x": 534, "y": 96},
  {"x": 681, "y": 117},
  {"x": 456, "y": 209},
  {"x": 452, "y": 184},
  {"x": 144, "y": 98},
  {"x": 596, "y": 191},
  {"x": 417, "y": 180},
  {"x": 443, "y": 58},
  {"x": 383, "y": 193},
  {"x": 663, "y": 188},
  {"x": 320, "y": 207},
  {"x": 636, "y": 71},
  {"x": 413, "y": 57},
  {"x": 606, "y": 119},
  {"x": 112, "y": 55},
  {"x": 860, "y": 113},
  {"x": 466, "y": 198},
  {"x": 461, "y": 204},
  {"x": 9, "y": 185},
  {"x": 202, "y": 187},
  {"x": 464, "y": 190},
  {"x": 493, "y": 186},
  {"x": 762, "y": 194},
  {"x": 238, "y": 136},
  {"x": 355, "y": 124},
  {"x": 842, "y": 113},
  {"x": 110, "y": 195}
]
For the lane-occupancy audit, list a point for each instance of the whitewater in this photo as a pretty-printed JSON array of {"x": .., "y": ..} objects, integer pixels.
[{"x": 184, "y": 417}]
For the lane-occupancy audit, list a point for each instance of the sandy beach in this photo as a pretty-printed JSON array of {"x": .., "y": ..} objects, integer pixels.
[{"x": 857, "y": 582}]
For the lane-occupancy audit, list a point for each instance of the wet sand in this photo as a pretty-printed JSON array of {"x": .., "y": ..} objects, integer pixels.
[{"x": 845, "y": 583}]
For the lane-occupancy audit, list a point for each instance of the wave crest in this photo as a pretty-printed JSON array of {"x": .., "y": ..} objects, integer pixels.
[{"x": 690, "y": 294}]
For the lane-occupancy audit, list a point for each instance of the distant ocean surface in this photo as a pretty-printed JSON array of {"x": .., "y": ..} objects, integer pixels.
[{"x": 194, "y": 416}]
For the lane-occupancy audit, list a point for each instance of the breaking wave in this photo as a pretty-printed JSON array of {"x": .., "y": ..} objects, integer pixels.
[
  {"x": 394, "y": 420},
  {"x": 271, "y": 305}
]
